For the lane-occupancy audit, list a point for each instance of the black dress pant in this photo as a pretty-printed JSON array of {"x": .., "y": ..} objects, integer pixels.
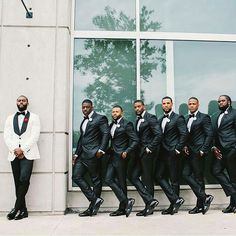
[
  {"x": 22, "y": 170},
  {"x": 116, "y": 179},
  {"x": 93, "y": 167},
  {"x": 168, "y": 173},
  {"x": 193, "y": 174},
  {"x": 142, "y": 166},
  {"x": 228, "y": 163}
]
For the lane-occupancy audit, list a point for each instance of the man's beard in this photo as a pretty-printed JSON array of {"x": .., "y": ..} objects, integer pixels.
[
  {"x": 22, "y": 108},
  {"x": 223, "y": 108},
  {"x": 167, "y": 111},
  {"x": 117, "y": 118}
]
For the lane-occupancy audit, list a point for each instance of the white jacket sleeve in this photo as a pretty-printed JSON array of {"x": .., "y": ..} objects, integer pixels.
[{"x": 8, "y": 134}]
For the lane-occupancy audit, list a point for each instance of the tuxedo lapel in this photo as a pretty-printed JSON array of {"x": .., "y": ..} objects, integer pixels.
[
  {"x": 16, "y": 125},
  {"x": 25, "y": 123}
]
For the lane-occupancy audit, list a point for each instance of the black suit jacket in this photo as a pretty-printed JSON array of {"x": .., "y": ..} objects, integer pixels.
[
  {"x": 96, "y": 136},
  {"x": 149, "y": 133},
  {"x": 125, "y": 138},
  {"x": 201, "y": 133},
  {"x": 225, "y": 135},
  {"x": 175, "y": 133}
]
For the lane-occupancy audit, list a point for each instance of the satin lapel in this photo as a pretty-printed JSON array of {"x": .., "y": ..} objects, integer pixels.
[
  {"x": 25, "y": 123},
  {"x": 16, "y": 125}
]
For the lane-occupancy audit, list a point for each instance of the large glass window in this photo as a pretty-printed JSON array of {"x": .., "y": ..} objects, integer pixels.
[
  {"x": 130, "y": 49},
  {"x": 191, "y": 16},
  {"x": 105, "y": 15}
]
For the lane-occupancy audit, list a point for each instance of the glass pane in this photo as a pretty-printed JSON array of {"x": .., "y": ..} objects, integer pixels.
[
  {"x": 105, "y": 72},
  {"x": 105, "y": 15},
  {"x": 204, "y": 70},
  {"x": 191, "y": 16},
  {"x": 153, "y": 74}
]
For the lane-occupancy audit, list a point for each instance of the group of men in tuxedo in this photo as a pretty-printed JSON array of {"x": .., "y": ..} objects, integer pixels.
[{"x": 153, "y": 150}]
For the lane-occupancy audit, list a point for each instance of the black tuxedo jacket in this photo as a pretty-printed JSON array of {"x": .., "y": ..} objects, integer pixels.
[
  {"x": 201, "y": 133},
  {"x": 96, "y": 136},
  {"x": 175, "y": 133},
  {"x": 225, "y": 134},
  {"x": 125, "y": 138},
  {"x": 149, "y": 133}
]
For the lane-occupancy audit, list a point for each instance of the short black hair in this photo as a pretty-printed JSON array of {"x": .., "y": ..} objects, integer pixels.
[
  {"x": 139, "y": 100},
  {"x": 23, "y": 97},
  {"x": 167, "y": 97},
  {"x": 117, "y": 106},
  {"x": 228, "y": 98},
  {"x": 87, "y": 101},
  {"x": 194, "y": 98}
]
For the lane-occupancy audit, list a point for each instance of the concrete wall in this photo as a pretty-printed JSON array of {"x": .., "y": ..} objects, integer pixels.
[{"x": 34, "y": 60}]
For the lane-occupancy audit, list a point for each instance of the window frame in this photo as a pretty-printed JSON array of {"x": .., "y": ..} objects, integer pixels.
[{"x": 137, "y": 35}]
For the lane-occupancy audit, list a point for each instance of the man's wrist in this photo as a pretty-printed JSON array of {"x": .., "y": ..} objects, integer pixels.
[{"x": 101, "y": 151}]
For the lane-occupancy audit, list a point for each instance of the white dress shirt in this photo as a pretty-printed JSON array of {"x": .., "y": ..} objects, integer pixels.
[
  {"x": 84, "y": 125},
  {"x": 221, "y": 116},
  {"x": 191, "y": 119},
  {"x": 165, "y": 120},
  {"x": 21, "y": 118},
  {"x": 140, "y": 120},
  {"x": 114, "y": 126}
]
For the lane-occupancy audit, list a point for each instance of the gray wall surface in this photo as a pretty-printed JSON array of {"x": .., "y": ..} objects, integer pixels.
[{"x": 37, "y": 49}]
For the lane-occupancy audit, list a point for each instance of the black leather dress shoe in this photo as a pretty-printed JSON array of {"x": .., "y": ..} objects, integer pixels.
[
  {"x": 11, "y": 215},
  {"x": 179, "y": 202},
  {"x": 22, "y": 214},
  {"x": 195, "y": 210},
  {"x": 151, "y": 207},
  {"x": 129, "y": 206},
  {"x": 141, "y": 213},
  {"x": 85, "y": 213},
  {"x": 229, "y": 209},
  {"x": 117, "y": 213},
  {"x": 96, "y": 206},
  {"x": 168, "y": 211},
  {"x": 207, "y": 203}
]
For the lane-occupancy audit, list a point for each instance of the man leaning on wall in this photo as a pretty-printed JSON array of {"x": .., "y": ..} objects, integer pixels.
[{"x": 21, "y": 134}]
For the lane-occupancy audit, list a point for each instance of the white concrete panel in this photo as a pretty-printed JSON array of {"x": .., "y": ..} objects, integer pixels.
[
  {"x": 5, "y": 165},
  {"x": 62, "y": 97},
  {"x": 44, "y": 12},
  {"x": 63, "y": 13},
  {"x": 60, "y": 192},
  {"x": 36, "y": 63},
  {"x": 7, "y": 192},
  {"x": 39, "y": 196},
  {"x": 60, "y": 152},
  {"x": 44, "y": 164}
]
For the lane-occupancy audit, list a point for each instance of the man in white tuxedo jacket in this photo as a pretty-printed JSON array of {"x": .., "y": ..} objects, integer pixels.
[{"x": 21, "y": 134}]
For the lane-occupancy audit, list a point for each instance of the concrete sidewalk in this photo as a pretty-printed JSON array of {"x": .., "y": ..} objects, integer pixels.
[{"x": 213, "y": 223}]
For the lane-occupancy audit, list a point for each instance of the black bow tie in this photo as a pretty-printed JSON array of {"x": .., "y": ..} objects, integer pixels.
[
  {"x": 115, "y": 122},
  {"x": 139, "y": 117},
  {"x": 166, "y": 116},
  {"x": 20, "y": 113},
  {"x": 191, "y": 115}
]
